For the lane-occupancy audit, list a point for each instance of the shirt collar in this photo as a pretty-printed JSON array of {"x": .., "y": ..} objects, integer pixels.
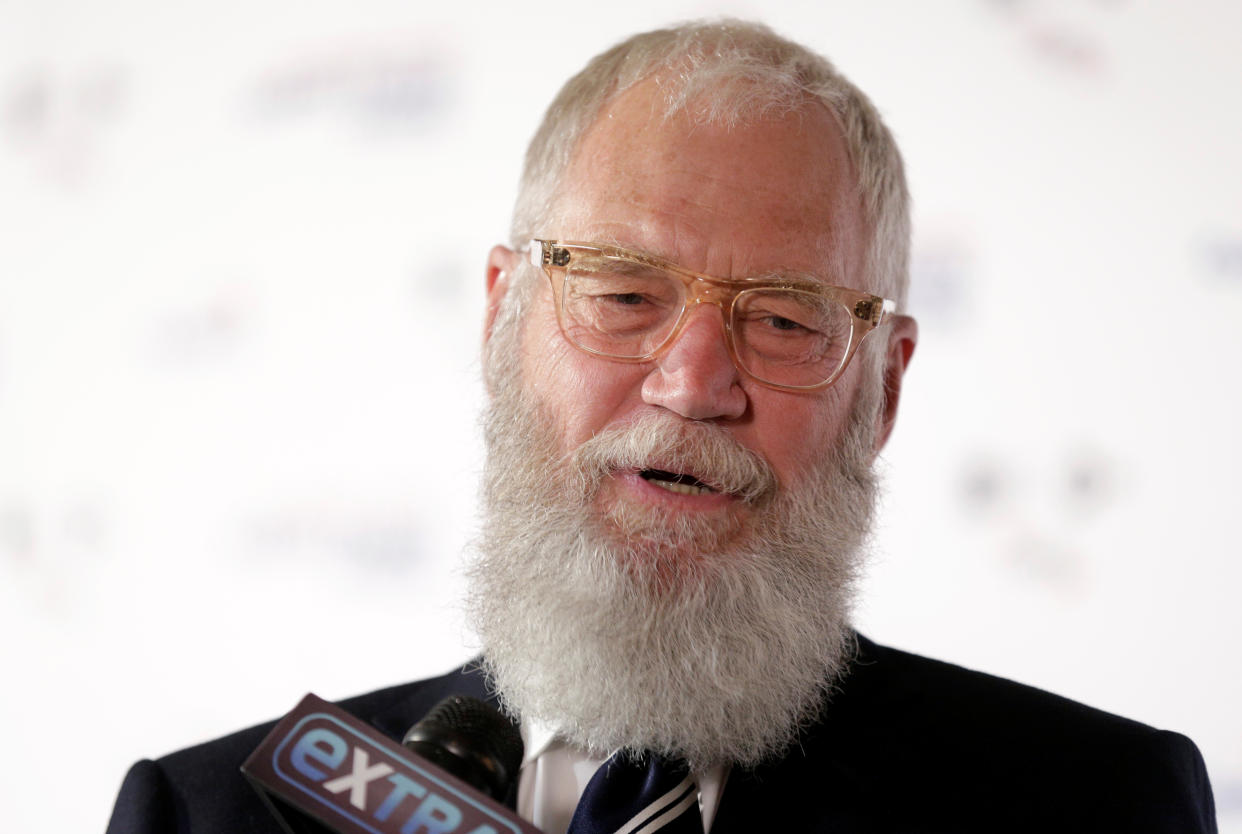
[{"x": 537, "y": 739}]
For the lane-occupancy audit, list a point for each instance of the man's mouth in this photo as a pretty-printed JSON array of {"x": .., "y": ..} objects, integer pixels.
[{"x": 676, "y": 482}]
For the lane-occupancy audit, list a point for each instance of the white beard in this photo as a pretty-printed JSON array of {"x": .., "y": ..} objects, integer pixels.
[{"x": 695, "y": 641}]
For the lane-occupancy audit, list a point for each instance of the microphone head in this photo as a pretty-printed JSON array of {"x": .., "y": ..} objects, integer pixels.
[{"x": 472, "y": 740}]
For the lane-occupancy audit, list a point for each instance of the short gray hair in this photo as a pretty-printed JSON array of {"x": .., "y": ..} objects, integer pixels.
[{"x": 729, "y": 71}]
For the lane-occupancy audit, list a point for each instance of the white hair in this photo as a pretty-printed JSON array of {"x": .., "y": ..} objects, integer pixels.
[
  {"x": 729, "y": 72},
  {"x": 698, "y": 641}
]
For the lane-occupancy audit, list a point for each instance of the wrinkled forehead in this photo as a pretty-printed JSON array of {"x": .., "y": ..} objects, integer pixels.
[{"x": 728, "y": 197}]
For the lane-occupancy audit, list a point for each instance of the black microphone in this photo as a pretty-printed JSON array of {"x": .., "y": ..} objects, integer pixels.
[
  {"x": 322, "y": 769},
  {"x": 472, "y": 740}
]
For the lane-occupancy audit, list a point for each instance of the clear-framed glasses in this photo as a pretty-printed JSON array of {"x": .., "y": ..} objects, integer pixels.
[{"x": 792, "y": 334}]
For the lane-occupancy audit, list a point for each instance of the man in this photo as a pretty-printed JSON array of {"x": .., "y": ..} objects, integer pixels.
[{"x": 693, "y": 356}]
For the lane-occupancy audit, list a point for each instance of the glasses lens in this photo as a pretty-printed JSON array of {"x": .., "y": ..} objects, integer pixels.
[
  {"x": 619, "y": 308},
  {"x": 790, "y": 337}
]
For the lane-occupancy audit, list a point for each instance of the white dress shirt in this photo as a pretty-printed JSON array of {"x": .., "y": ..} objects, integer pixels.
[{"x": 554, "y": 775}]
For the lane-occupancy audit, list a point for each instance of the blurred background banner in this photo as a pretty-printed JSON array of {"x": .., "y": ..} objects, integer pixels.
[{"x": 241, "y": 289}]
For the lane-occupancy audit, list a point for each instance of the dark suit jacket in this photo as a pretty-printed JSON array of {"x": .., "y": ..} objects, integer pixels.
[{"x": 907, "y": 745}]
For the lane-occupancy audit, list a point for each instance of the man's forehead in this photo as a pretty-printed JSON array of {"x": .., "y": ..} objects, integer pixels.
[{"x": 769, "y": 194}]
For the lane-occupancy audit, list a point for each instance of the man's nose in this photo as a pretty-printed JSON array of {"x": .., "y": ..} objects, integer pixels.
[{"x": 695, "y": 376}]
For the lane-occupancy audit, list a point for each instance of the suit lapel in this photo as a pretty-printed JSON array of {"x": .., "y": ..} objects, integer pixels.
[{"x": 817, "y": 785}]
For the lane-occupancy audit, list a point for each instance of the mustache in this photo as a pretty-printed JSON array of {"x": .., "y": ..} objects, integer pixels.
[{"x": 704, "y": 451}]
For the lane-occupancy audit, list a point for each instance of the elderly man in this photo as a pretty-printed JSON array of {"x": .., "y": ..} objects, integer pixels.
[{"x": 694, "y": 353}]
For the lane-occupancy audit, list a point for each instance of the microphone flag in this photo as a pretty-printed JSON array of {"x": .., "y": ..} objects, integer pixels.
[{"x": 322, "y": 763}]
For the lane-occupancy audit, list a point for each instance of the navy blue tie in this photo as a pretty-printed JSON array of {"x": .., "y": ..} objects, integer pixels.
[{"x": 628, "y": 797}]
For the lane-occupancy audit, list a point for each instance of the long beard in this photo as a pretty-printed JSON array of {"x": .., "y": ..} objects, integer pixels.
[{"x": 625, "y": 630}]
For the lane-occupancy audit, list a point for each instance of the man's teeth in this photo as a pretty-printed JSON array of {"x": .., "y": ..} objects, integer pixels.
[
  {"x": 681, "y": 489},
  {"x": 679, "y": 483}
]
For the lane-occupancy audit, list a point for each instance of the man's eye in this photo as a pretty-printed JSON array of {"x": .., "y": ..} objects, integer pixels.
[
  {"x": 782, "y": 323},
  {"x": 626, "y": 298},
  {"x": 776, "y": 323}
]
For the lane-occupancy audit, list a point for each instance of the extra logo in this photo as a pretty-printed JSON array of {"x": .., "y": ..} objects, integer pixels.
[{"x": 329, "y": 765}]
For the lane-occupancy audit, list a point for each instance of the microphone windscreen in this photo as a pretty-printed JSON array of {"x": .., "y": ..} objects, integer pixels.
[{"x": 472, "y": 740}]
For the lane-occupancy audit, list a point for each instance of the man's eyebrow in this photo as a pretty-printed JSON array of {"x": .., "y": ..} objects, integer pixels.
[
  {"x": 779, "y": 275},
  {"x": 789, "y": 276},
  {"x": 632, "y": 248}
]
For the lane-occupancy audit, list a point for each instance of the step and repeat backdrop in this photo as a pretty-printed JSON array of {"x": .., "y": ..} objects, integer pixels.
[{"x": 241, "y": 291}]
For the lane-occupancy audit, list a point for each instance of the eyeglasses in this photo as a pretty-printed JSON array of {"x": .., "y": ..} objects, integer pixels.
[{"x": 791, "y": 334}]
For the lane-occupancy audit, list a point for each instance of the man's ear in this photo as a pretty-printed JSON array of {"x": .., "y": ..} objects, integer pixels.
[
  {"x": 500, "y": 264},
  {"x": 902, "y": 336}
]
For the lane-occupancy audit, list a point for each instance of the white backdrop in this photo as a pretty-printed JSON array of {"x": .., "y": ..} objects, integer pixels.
[{"x": 241, "y": 260}]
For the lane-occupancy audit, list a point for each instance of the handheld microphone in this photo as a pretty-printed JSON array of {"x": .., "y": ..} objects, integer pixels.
[
  {"x": 321, "y": 768},
  {"x": 472, "y": 740}
]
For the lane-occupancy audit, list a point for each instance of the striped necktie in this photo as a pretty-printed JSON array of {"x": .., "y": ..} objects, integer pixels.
[{"x": 628, "y": 797}]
